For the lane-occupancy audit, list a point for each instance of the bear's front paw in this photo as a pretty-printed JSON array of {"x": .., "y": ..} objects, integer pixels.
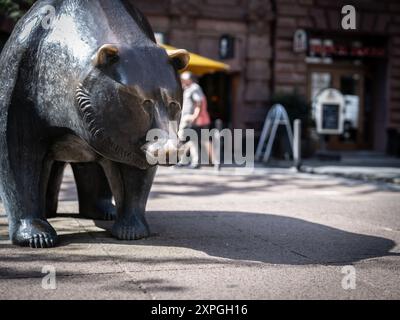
[
  {"x": 35, "y": 233},
  {"x": 135, "y": 231}
]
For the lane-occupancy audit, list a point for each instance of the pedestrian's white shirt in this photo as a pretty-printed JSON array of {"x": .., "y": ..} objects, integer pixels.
[{"x": 191, "y": 96}]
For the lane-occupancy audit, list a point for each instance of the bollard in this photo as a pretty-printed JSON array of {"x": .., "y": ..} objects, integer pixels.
[
  {"x": 297, "y": 144},
  {"x": 217, "y": 145}
]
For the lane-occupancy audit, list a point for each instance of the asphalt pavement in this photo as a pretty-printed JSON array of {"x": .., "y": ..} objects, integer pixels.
[{"x": 269, "y": 234}]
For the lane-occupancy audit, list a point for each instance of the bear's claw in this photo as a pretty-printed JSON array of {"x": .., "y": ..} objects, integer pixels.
[
  {"x": 128, "y": 233},
  {"x": 35, "y": 233},
  {"x": 42, "y": 241}
]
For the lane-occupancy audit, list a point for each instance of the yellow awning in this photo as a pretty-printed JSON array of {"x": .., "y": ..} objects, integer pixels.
[{"x": 200, "y": 65}]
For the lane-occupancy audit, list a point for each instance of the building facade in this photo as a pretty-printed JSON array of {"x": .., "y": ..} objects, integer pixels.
[
  {"x": 286, "y": 46},
  {"x": 292, "y": 46}
]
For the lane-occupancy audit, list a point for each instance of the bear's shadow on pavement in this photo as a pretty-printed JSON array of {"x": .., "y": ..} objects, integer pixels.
[{"x": 242, "y": 236}]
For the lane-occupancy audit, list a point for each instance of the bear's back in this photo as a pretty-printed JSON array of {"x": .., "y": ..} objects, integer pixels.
[
  {"x": 32, "y": 46},
  {"x": 22, "y": 44}
]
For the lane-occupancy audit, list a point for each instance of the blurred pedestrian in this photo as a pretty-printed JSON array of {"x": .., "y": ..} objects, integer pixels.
[{"x": 194, "y": 116}]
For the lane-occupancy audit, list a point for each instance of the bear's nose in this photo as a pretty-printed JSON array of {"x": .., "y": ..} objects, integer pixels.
[{"x": 163, "y": 153}]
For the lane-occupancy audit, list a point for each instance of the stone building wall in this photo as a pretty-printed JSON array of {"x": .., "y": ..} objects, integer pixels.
[
  {"x": 264, "y": 29},
  {"x": 374, "y": 18},
  {"x": 197, "y": 25}
]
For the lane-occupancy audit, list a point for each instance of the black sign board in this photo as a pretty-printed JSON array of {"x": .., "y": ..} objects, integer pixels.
[{"x": 330, "y": 116}]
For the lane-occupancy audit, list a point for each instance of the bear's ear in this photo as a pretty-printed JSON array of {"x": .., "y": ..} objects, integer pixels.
[
  {"x": 105, "y": 54},
  {"x": 179, "y": 58}
]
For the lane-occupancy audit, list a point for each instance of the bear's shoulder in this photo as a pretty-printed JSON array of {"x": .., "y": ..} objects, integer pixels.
[{"x": 22, "y": 43}]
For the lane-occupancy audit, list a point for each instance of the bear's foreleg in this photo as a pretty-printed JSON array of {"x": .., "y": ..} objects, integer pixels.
[{"x": 131, "y": 188}]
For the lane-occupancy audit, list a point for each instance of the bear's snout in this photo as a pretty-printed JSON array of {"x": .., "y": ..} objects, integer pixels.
[{"x": 163, "y": 153}]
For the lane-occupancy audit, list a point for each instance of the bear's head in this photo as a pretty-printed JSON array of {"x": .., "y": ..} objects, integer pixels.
[{"x": 128, "y": 92}]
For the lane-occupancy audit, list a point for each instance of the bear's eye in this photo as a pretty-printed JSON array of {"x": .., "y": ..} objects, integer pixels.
[
  {"x": 174, "y": 105},
  {"x": 174, "y": 109}
]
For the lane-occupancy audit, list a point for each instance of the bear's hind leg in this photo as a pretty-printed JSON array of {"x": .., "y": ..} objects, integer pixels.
[
  {"x": 94, "y": 193},
  {"x": 53, "y": 188}
]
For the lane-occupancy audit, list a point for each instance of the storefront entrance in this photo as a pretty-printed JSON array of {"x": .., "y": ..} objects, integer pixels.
[
  {"x": 218, "y": 90},
  {"x": 358, "y": 69},
  {"x": 351, "y": 82}
]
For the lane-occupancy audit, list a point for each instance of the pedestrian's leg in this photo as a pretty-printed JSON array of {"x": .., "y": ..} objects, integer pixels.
[
  {"x": 206, "y": 150},
  {"x": 194, "y": 153},
  {"x": 185, "y": 147}
]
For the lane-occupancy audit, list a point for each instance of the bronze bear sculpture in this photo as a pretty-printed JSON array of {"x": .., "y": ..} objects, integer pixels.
[{"x": 86, "y": 91}]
